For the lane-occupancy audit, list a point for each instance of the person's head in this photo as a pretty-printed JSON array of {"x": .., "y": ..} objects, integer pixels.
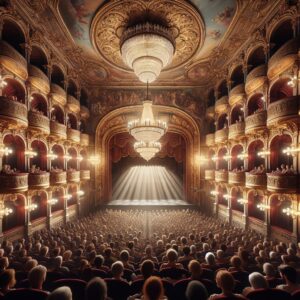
[
  {"x": 30, "y": 264},
  {"x": 67, "y": 255},
  {"x": 236, "y": 262},
  {"x": 148, "y": 250},
  {"x": 153, "y": 288},
  {"x": 57, "y": 261},
  {"x": 37, "y": 276},
  {"x": 195, "y": 268},
  {"x": 196, "y": 291},
  {"x": 4, "y": 263},
  {"x": 108, "y": 252},
  {"x": 225, "y": 281},
  {"x": 7, "y": 279},
  {"x": 117, "y": 269},
  {"x": 210, "y": 258},
  {"x": 186, "y": 250},
  {"x": 61, "y": 293},
  {"x": 269, "y": 269},
  {"x": 289, "y": 274},
  {"x": 147, "y": 268},
  {"x": 124, "y": 256},
  {"x": 258, "y": 281},
  {"x": 96, "y": 289},
  {"x": 172, "y": 255},
  {"x": 98, "y": 261},
  {"x": 220, "y": 254},
  {"x": 44, "y": 251}
]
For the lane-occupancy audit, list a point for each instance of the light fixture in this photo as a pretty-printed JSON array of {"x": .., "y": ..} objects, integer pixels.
[
  {"x": 291, "y": 212},
  {"x": 263, "y": 207},
  {"x": 242, "y": 155},
  {"x": 67, "y": 157},
  {"x": 3, "y": 83},
  {"x": 147, "y": 129},
  {"x": 227, "y": 157},
  {"x": 79, "y": 158},
  {"x": 30, "y": 153},
  {"x": 5, "y": 151},
  {"x": 214, "y": 158},
  {"x": 147, "y": 49},
  {"x": 31, "y": 207},
  {"x": 227, "y": 196},
  {"x": 80, "y": 193},
  {"x": 51, "y": 155},
  {"x": 67, "y": 196},
  {"x": 263, "y": 153},
  {"x": 242, "y": 201},
  {"x": 52, "y": 201},
  {"x": 292, "y": 82},
  {"x": 290, "y": 150},
  {"x": 94, "y": 159},
  {"x": 147, "y": 150},
  {"x": 214, "y": 193},
  {"x": 6, "y": 211}
]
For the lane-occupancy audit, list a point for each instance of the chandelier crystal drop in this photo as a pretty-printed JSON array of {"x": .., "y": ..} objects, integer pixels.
[
  {"x": 147, "y": 49},
  {"x": 147, "y": 150}
]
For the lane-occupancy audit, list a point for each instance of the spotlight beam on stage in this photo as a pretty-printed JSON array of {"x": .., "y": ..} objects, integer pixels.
[{"x": 148, "y": 183}]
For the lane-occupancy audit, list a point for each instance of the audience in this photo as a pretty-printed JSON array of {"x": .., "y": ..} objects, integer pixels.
[
  {"x": 196, "y": 291},
  {"x": 289, "y": 274},
  {"x": 61, "y": 293},
  {"x": 96, "y": 289}
]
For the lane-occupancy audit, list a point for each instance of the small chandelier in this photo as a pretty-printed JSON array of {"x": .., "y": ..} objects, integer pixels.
[
  {"x": 147, "y": 129},
  {"x": 147, "y": 150},
  {"x": 147, "y": 48}
]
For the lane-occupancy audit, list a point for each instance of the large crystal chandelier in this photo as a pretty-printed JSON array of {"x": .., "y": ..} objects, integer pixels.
[
  {"x": 147, "y": 150},
  {"x": 147, "y": 49}
]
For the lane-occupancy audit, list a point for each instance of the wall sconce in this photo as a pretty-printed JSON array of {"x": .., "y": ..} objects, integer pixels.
[
  {"x": 214, "y": 158},
  {"x": 242, "y": 156},
  {"x": 30, "y": 153},
  {"x": 263, "y": 207},
  {"x": 227, "y": 196},
  {"x": 290, "y": 150},
  {"x": 5, "y": 212},
  {"x": 293, "y": 81},
  {"x": 291, "y": 212},
  {"x": 80, "y": 193},
  {"x": 94, "y": 159},
  {"x": 3, "y": 83},
  {"x": 242, "y": 201},
  {"x": 52, "y": 201},
  {"x": 31, "y": 207},
  {"x": 79, "y": 158},
  {"x": 68, "y": 196},
  {"x": 5, "y": 151},
  {"x": 214, "y": 193},
  {"x": 263, "y": 153},
  {"x": 51, "y": 155},
  {"x": 227, "y": 157},
  {"x": 201, "y": 159},
  {"x": 67, "y": 157}
]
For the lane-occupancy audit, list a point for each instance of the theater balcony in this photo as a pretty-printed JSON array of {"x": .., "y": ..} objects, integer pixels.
[
  {"x": 221, "y": 104},
  {"x": 38, "y": 79},
  {"x": 209, "y": 174},
  {"x": 282, "y": 183},
  {"x": 221, "y": 176},
  {"x": 236, "y": 130},
  {"x": 58, "y": 177},
  {"x": 236, "y": 94},
  {"x": 73, "y": 135},
  {"x": 84, "y": 139},
  {"x": 38, "y": 122},
  {"x": 58, "y": 130},
  {"x": 12, "y": 183},
  {"x": 12, "y": 60},
  {"x": 58, "y": 94},
  {"x": 221, "y": 135},
  {"x": 256, "y": 78},
  {"x": 256, "y": 180},
  {"x": 210, "y": 139},
  {"x": 255, "y": 122},
  {"x": 236, "y": 178},
  {"x": 39, "y": 180},
  {"x": 73, "y": 176},
  {"x": 73, "y": 104},
  {"x": 13, "y": 113},
  {"x": 85, "y": 174},
  {"x": 283, "y": 109},
  {"x": 284, "y": 57},
  {"x": 84, "y": 112}
]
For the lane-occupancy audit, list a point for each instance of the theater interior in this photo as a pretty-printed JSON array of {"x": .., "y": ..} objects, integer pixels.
[{"x": 149, "y": 149}]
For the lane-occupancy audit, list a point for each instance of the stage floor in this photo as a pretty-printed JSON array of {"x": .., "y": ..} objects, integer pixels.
[{"x": 169, "y": 202}]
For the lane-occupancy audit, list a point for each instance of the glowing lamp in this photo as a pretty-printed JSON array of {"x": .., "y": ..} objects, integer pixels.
[
  {"x": 242, "y": 201},
  {"x": 263, "y": 153},
  {"x": 291, "y": 212},
  {"x": 6, "y": 212},
  {"x": 263, "y": 207},
  {"x": 214, "y": 193},
  {"x": 5, "y": 151},
  {"x": 31, "y": 207},
  {"x": 52, "y": 201},
  {"x": 30, "y": 153}
]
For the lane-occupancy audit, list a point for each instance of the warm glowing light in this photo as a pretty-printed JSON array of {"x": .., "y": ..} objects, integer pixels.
[
  {"x": 30, "y": 153},
  {"x": 52, "y": 201},
  {"x": 263, "y": 153},
  {"x": 5, "y": 151},
  {"x": 291, "y": 212},
  {"x": 147, "y": 49},
  {"x": 94, "y": 159},
  {"x": 293, "y": 81},
  {"x": 227, "y": 196},
  {"x": 67, "y": 157},
  {"x": 52, "y": 156},
  {"x": 242, "y": 201},
  {"x": 6, "y": 212},
  {"x": 68, "y": 196},
  {"x": 3, "y": 83},
  {"x": 31, "y": 207},
  {"x": 263, "y": 207},
  {"x": 290, "y": 150},
  {"x": 147, "y": 150},
  {"x": 80, "y": 193},
  {"x": 79, "y": 158},
  {"x": 214, "y": 193},
  {"x": 242, "y": 155},
  {"x": 214, "y": 158},
  {"x": 227, "y": 157}
]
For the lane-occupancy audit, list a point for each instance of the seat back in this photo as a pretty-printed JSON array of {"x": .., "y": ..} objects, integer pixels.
[
  {"x": 241, "y": 276},
  {"x": 173, "y": 273},
  {"x": 208, "y": 274},
  {"x": 265, "y": 294},
  {"x": 77, "y": 287},
  {"x": 127, "y": 274},
  {"x": 168, "y": 288},
  {"x": 26, "y": 294},
  {"x": 117, "y": 289},
  {"x": 296, "y": 295},
  {"x": 136, "y": 286},
  {"x": 180, "y": 288}
]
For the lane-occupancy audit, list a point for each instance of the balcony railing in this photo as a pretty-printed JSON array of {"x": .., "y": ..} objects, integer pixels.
[
  {"x": 73, "y": 176},
  {"x": 282, "y": 183},
  {"x": 73, "y": 104},
  {"x": 221, "y": 176},
  {"x": 210, "y": 139},
  {"x": 256, "y": 78},
  {"x": 84, "y": 139},
  {"x": 58, "y": 177},
  {"x": 85, "y": 174},
  {"x": 58, "y": 130},
  {"x": 58, "y": 94},
  {"x": 221, "y": 135},
  {"x": 38, "y": 122},
  {"x": 73, "y": 135},
  {"x": 283, "y": 57},
  {"x": 39, "y": 180},
  {"x": 256, "y": 121},
  {"x": 14, "y": 112},
  {"x": 256, "y": 180},
  {"x": 39, "y": 79},
  {"x": 236, "y": 178},
  {"x": 12, "y": 60},
  {"x": 236, "y": 94},
  {"x": 283, "y": 109},
  {"x": 84, "y": 112},
  {"x": 11, "y": 183},
  {"x": 221, "y": 104},
  {"x": 236, "y": 130},
  {"x": 209, "y": 174}
]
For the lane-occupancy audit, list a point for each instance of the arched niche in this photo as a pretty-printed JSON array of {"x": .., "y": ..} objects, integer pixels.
[
  {"x": 222, "y": 191},
  {"x": 236, "y": 162},
  {"x": 14, "y": 90},
  {"x": 236, "y": 194},
  {"x": 72, "y": 162},
  {"x": 222, "y": 163},
  {"x": 57, "y": 114},
  {"x": 211, "y": 98},
  {"x": 237, "y": 76},
  {"x": 280, "y": 90},
  {"x": 39, "y": 104},
  {"x": 255, "y": 160},
  {"x": 59, "y": 195},
  {"x": 72, "y": 121},
  {"x": 83, "y": 98},
  {"x": 40, "y": 200},
  {"x": 58, "y": 162},
  {"x": 237, "y": 114},
  {"x": 38, "y": 58},
  {"x": 40, "y": 160},
  {"x": 222, "y": 89},
  {"x": 256, "y": 58},
  {"x": 255, "y": 198},
  {"x": 72, "y": 88},
  {"x": 255, "y": 104},
  {"x": 57, "y": 76},
  {"x": 72, "y": 192},
  {"x": 222, "y": 121}
]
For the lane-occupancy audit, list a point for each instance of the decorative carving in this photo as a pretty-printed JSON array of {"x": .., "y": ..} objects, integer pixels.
[
  {"x": 236, "y": 130},
  {"x": 256, "y": 121},
  {"x": 221, "y": 135},
  {"x": 58, "y": 94},
  {"x": 85, "y": 174},
  {"x": 236, "y": 178},
  {"x": 38, "y": 79},
  {"x": 256, "y": 78},
  {"x": 58, "y": 130},
  {"x": 210, "y": 139},
  {"x": 38, "y": 122},
  {"x": 73, "y": 135},
  {"x": 37, "y": 180},
  {"x": 236, "y": 94},
  {"x": 221, "y": 104},
  {"x": 13, "y": 182},
  {"x": 209, "y": 174},
  {"x": 73, "y": 104},
  {"x": 256, "y": 180},
  {"x": 282, "y": 183},
  {"x": 73, "y": 176},
  {"x": 84, "y": 139},
  {"x": 58, "y": 178},
  {"x": 221, "y": 176}
]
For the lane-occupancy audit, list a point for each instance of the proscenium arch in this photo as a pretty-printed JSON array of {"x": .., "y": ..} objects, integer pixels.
[{"x": 116, "y": 122}]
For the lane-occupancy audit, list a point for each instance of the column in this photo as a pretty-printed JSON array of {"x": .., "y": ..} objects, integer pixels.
[
  {"x": 267, "y": 217},
  {"x": 66, "y": 214},
  {"x": 245, "y": 215},
  {"x": 49, "y": 212},
  {"x": 229, "y": 208},
  {"x": 27, "y": 215},
  {"x": 1, "y": 218}
]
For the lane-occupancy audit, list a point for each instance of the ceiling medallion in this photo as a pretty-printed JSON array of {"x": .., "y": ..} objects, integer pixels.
[
  {"x": 147, "y": 150},
  {"x": 112, "y": 27}
]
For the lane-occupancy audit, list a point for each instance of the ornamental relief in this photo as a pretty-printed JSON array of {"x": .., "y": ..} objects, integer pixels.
[{"x": 286, "y": 181}]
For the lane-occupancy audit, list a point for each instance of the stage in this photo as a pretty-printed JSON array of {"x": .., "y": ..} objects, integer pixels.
[{"x": 148, "y": 203}]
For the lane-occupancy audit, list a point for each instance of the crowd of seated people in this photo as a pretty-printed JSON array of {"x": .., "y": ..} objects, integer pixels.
[
  {"x": 159, "y": 254},
  {"x": 6, "y": 169},
  {"x": 258, "y": 170},
  {"x": 285, "y": 169}
]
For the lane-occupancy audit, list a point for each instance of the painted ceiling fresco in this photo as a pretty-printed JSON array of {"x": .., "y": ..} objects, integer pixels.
[{"x": 216, "y": 14}]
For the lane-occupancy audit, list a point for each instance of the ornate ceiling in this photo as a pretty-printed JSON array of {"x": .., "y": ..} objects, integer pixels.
[{"x": 199, "y": 25}]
